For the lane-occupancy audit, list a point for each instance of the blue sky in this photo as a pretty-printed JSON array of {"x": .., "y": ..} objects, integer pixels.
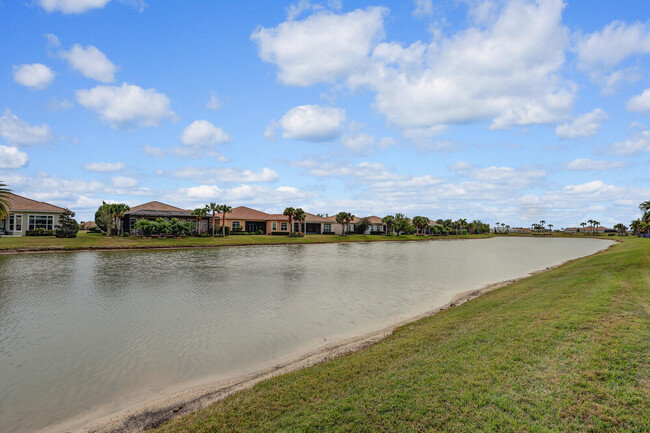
[{"x": 510, "y": 111}]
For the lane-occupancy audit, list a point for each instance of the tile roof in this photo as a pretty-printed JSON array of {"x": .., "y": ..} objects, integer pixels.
[
  {"x": 19, "y": 203},
  {"x": 246, "y": 213},
  {"x": 158, "y": 209},
  {"x": 155, "y": 205}
]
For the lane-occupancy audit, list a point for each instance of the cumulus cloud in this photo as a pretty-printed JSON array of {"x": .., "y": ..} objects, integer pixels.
[
  {"x": 323, "y": 47},
  {"x": 517, "y": 178},
  {"x": 11, "y": 157},
  {"x": 584, "y": 126},
  {"x": 71, "y": 6},
  {"x": 231, "y": 175},
  {"x": 127, "y": 105},
  {"x": 313, "y": 123},
  {"x": 640, "y": 102},
  {"x": 507, "y": 69},
  {"x": 19, "y": 132},
  {"x": 613, "y": 44},
  {"x": 104, "y": 167},
  {"x": 202, "y": 133},
  {"x": 634, "y": 145},
  {"x": 250, "y": 195},
  {"x": 36, "y": 75},
  {"x": 423, "y": 8},
  {"x": 584, "y": 164},
  {"x": 91, "y": 62},
  {"x": 123, "y": 182}
]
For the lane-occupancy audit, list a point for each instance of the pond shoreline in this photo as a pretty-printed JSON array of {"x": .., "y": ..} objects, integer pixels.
[{"x": 156, "y": 411}]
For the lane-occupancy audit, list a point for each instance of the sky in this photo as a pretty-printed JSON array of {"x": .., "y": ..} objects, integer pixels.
[{"x": 510, "y": 111}]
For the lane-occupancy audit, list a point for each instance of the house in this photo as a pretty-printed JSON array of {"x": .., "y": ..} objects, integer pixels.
[
  {"x": 587, "y": 230},
  {"x": 87, "y": 225},
  {"x": 376, "y": 225},
  {"x": 245, "y": 219},
  {"x": 153, "y": 210},
  {"x": 27, "y": 214}
]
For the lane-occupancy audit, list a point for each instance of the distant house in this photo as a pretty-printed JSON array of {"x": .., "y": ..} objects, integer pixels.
[
  {"x": 87, "y": 225},
  {"x": 27, "y": 214},
  {"x": 151, "y": 211},
  {"x": 587, "y": 229},
  {"x": 376, "y": 225},
  {"x": 245, "y": 219}
]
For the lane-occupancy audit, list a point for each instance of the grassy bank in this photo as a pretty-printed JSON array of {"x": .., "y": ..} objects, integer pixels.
[
  {"x": 98, "y": 241},
  {"x": 565, "y": 350}
]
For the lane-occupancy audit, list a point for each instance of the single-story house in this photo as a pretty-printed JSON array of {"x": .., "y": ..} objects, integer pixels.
[
  {"x": 153, "y": 210},
  {"x": 586, "y": 229},
  {"x": 27, "y": 214},
  {"x": 245, "y": 219}
]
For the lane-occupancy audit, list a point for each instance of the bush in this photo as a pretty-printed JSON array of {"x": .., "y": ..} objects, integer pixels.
[
  {"x": 94, "y": 230},
  {"x": 68, "y": 227},
  {"x": 296, "y": 235},
  {"x": 279, "y": 233},
  {"x": 375, "y": 232},
  {"x": 39, "y": 232},
  {"x": 329, "y": 233}
]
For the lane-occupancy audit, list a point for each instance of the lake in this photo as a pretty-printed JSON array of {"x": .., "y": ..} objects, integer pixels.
[{"x": 88, "y": 330}]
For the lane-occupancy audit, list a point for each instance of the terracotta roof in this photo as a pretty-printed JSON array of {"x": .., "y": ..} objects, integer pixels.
[
  {"x": 375, "y": 220},
  {"x": 278, "y": 217},
  {"x": 246, "y": 213},
  {"x": 19, "y": 203},
  {"x": 155, "y": 205},
  {"x": 311, "y": 218}
]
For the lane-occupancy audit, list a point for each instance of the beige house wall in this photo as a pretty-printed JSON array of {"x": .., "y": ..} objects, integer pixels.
[{"x": 25, "y": 221}]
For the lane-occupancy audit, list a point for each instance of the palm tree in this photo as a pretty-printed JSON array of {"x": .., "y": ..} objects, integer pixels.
[
  {"x": 583, "y": 224},
  {"x": 621, "y": 229},
  {"x": 224, "y": 209},
  {"x": 496, "y": 227},
  {"x": 344, "y": 218},
  {"x": 389, "y": 220},
  {"x": 289, "y": 213},
  {"x": 300, "y": 217},
  {"x": 420, "y": 223},
  {"x": 214, "y": 208},
  {"x": 635, "y": 225},
  {"x": 643, "y": 207},
  {"x": 199, "y": 213},
  {"x": 550, "y": 228},
  {"x": 118, "y": 210},
  {"x": 4, "y": 200}
]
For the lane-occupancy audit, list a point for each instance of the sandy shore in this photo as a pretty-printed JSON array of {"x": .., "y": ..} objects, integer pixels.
[{"x": 154, "y": 412}]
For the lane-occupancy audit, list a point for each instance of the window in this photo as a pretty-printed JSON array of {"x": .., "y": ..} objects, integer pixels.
[
  {"x": 11, "y": 223},
  {"x": 327, "y": 227},
  {"x": 296, "y": 227},
  {"x": 283, "y": 227},
  {"x": 19, "y": 223},
  {"x": 236, "y": 225},
  {"x": 275, "y": 226},
  {"x": 41, "y": 221}
]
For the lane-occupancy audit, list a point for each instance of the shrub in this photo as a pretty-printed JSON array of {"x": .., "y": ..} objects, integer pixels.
[
  {"x": 39, "y": 232},
  {"x": 94, "y": 230},
  {"x": 68, "y": 227},
  {"x": 279, "y": 233},
  {"x": 330, "y": 233}
]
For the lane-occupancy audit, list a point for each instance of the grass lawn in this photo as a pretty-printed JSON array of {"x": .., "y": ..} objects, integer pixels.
[
  {"x": 96, "y": 240},
  {"x": 565, "y": 350}
]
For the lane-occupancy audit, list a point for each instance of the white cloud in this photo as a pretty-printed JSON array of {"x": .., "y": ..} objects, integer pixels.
[
  {"x": 156, "y": 151},
  {"x": 639, "y": 102},
  {"x": 127, "y": 105},
  {"x": 35, "y": 75},
  {"x": 359, "y": 143},
  {"x": 270, "y": 133},
  {"x": 250, "y": 195},
  {"x": 313, "y": 123},
  {"x": 202, "y": 133},
  {"x": 423, "y": 8},
  {"x": 91, "y": 62},
  {"x": 634, "y": 145},
  {"x": 610, "y": 46},
  {"x": 11, "y": 157},
  {"x": 123, "y": 182},
  {"x": 584, "y": 126},
  {"x": 583, "y": 164},
  {"x": 323, "y": 47},
  {"x": 71, "y": 6},
  {"x": 52, "y": 40},
  {"x": 104, "y": 167},
  {"x": 460, "y": 167},
  {"x": 233, "y": 175},
  {"x": 19, "y": 132},
  {"x": 214, "y": 103},
  {"x": 517, "y": 178}
]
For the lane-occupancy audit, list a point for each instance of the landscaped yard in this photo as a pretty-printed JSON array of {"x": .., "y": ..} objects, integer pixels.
[{"x": 565, "y": 350}]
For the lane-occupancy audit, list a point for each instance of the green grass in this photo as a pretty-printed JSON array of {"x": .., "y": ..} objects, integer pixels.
[
  {"x": 98, "y": 241},
  {"x": 567, "y": 350}
]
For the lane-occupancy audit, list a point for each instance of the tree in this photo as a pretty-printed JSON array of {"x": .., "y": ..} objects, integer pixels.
[
  {"x": 363, "y": 225},
  {"x": 401, "y": 223},
  {"x": 344, "y": 218},
  {"x": 421, "y": 223},
  {"x": 146, "y": 226},
  {"x": 118, "y": 210},
  {"x": 224, "y": 208},
  {"x": 104, "y": 218},
  {"x": 214, "y": 208},
  {"x": 643, "y": 207},
  {"x": 550, "y": 228},
  {"x": 583, "y": 224},
  {"x": 635, "y": 226},
  {"x": 289, "y": 213},
  {"x": 300, "y": 217},
  {"x": 67, "y": 226},
  {"x": 621, "y": 229},
  {"x": 389, "y": 220},
  {"x": 4, "y": 200},
  {"x": 596, "y": 225},
  {"x": 199, "y": 214}
]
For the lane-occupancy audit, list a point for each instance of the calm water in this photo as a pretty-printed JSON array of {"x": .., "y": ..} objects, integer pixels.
[{"x": 81, "y": 331}]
